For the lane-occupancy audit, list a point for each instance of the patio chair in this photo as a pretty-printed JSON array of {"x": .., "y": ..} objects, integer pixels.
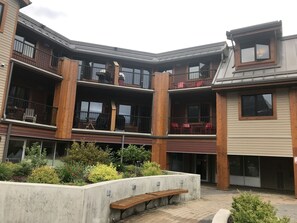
[
  {"x": 29, "y": 115},
  {"x": 186, "y": 128},
  {"x": 175, "y": 127},
  {"x": 208, "y": 128}
]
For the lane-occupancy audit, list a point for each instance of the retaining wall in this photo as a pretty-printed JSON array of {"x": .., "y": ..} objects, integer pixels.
[{"x": 26, "y": 202}]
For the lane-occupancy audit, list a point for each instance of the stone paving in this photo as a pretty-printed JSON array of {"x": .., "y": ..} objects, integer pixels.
[{"x": 203, "y": 210}]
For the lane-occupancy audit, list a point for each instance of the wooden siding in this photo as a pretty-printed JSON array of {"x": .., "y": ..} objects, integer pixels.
[
  {"x": 32, "y": 132},
  {"x": 260, "y": 137},
  {"x": 197, "y": 146},
  {"x": 6, "y": 40}
]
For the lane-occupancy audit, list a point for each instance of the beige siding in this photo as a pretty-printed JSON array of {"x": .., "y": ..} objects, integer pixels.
[
  {"x": 2, "y": 143},
  {"x": 260, "y": 137},
  {"x": 6, "y": 41}
]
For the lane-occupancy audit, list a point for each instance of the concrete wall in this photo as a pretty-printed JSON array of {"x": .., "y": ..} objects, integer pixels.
[{"x": 24, "y": 202}]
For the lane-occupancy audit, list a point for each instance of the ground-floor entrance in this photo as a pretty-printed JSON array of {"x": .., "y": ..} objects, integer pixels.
[
  {"x": 203, "y": 164},
  {"x": 265, "y": 172}
]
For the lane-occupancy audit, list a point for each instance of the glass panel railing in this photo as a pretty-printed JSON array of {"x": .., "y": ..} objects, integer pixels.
[{"x": 24, "y": 110}]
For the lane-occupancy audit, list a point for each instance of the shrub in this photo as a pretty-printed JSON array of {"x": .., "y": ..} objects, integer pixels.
[
  {"x": 150, "y": 169},
  {"x": 133, "y": 154},
  {"x": 71, "y": 172},
  {"x": 248, "y": 208},
  {"x": 102, "y": 172},
  {"x": 44, "y": 174},
  {"x": 24, "y": 169},
  {"x": 36, "y": 156},
  {"x": 87, "y": 154},
  {"x": 6, "y": 171},
  {"x": 131, "y": 171}
]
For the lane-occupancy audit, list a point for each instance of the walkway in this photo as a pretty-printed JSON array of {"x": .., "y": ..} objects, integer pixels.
[{"x": 211, "y": 201}]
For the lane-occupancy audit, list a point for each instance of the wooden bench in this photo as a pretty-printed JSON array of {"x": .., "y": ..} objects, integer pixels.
[{"x": 129, "y": 202}]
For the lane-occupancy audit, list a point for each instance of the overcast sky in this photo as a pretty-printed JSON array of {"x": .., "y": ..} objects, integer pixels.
[{"x": 158, "y": 25}]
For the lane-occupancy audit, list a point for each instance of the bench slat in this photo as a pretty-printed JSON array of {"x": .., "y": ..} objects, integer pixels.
[
  {"x": 167, "y": 193},
  {"x": 132, "y": 201}
]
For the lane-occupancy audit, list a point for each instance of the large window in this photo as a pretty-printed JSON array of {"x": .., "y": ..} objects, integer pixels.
[
  {"x": 244, "y": 166},
  {"x": 258, "y": 51},
  {"x": 89, "y": 111},
  {"x": 257, "y": 105},
  {"x": 21, "y": 45},
  {"x": 200, "y": 70},
  {"x": 126, "y": 110},
  {"x": 135, "y": 76},
  {"x": 198, "y": 113}
]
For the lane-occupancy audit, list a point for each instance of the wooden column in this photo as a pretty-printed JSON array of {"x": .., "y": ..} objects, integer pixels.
[
  {"x": 116, "y": 73},
  {"x": 64, "y": 99},
  {"x": 222, "y": 155},
  {"x": 293, "y": 114},
  {"x": 160, "y": 118},
  {"x": 113, "y": 116}
]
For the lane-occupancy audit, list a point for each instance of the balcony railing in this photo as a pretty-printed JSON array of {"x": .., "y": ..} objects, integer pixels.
[
  {"x": 33, "y": 56},
  {"x": 102, "y": 121},
  {"x": 192, "y": 125},
  {"x": 191, "y": 80},
  {"x": 18, "y": 108}
]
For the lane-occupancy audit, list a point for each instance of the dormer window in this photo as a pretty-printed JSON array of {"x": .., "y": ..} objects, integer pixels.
[{"x": 252, "y": 52}]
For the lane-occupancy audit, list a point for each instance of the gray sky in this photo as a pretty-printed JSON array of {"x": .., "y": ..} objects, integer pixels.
[{"x": 158, "y": 25}]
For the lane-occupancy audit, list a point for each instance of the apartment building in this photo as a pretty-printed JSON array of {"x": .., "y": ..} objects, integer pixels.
[{"x": 226, "y": 113}]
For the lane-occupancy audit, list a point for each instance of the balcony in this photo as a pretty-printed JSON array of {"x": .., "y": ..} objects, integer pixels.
[
  {"x": 31, "y": 55},
  {"x": 203, "y": 125},
  {"x": 102, "y": 121},
  {"x": 191, "y": 79},
  {"x": 23, "y": 110},
  {"x": 96, "y": 72}
]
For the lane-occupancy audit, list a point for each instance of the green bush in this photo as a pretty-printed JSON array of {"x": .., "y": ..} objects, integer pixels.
[
  {"x": 133, "y": 155},
  {"x": 87, "y": 154},
  {"x": 248, "y": 208},
  {"x": 6, "y": 171},
  {"x": 102, "y": 172},
  {"x": 71, "y": 172},
  {"x": 36, "y": 156},
  {"x": 150, "y": 169},
  {"x": 131, "y": 171},
  {"x": 24, "y": 169},
  {"x": 44, "y": 174}
]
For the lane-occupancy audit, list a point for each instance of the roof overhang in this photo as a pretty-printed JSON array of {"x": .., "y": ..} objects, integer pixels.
[{"x": 24, "y": 3}]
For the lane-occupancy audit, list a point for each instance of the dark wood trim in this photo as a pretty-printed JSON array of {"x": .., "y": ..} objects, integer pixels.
[
  {"x": 254, "y": 92},
  {"x": 223, "y": 180},
  {"x": 293, "y": 114},
  {"x": 4, "y": 16}
]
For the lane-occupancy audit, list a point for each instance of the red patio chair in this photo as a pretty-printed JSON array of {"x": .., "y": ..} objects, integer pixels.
[
  {"x": 198, "y": 83},
  {"x": 175, "y": 128},
  {"x": 186, "y": 128},
  {"x": 208, "y": 128},
  {"x": 181, "y": 84}
]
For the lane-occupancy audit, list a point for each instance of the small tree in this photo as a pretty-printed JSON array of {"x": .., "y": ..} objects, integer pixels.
[
  {"x": 87, "y": 154},
  {"x": 36, "y": 156},
  {"x": 248, "y": 208},
  {"x": 133, "y": 154}
]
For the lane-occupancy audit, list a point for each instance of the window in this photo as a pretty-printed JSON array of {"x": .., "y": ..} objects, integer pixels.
[
  {"x": 125, "y": 110},
  {"x": 198, "y": 71},
  {"x": 251, "y": 52},
  {"x": 24, "y": 47},
  {"x": 2, "y": 16},
  {"x": 90, "y": 70},
  {"x": 136, "y": 76},
  {"x": 244, "y": 166},
  {"x": 257, "y": 105},
  {"x": 198, "y": 113},
  {"x": 89, "y": 111}
]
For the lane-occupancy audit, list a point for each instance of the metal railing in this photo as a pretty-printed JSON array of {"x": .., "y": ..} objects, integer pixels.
[
  {"x": 192, "y": 125},
  {"x": 43, "y": 114},
  {"x": 191, "y": 80},
  {"x": 31, "y": 55},
  {"x": 95, "y": 74},
  {"x": 102, "y": 121}
]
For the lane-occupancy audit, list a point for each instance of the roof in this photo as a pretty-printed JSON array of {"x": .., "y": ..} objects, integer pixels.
[
  {"x": 285, "y": 70},
  {"x": 24, "y": 3},
  {"x": 269, "y": 26},
  {"x": 121, "y": 53}
]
